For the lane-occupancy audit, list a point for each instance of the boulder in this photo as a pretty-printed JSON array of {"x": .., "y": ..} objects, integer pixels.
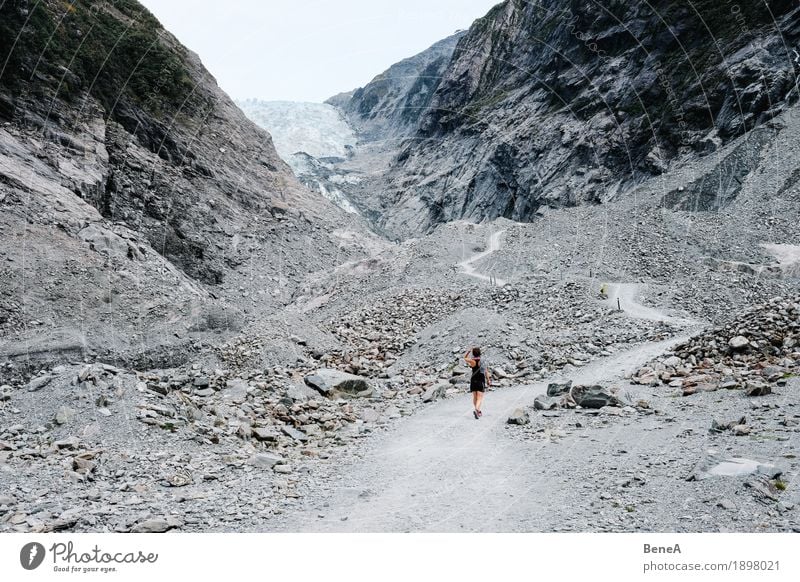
[
  {"x": 265, "y": 434},
  {"x": 435, "y": 392},
  {"x": 558, "y": 388},
  {"x": 330, "y": 383},
  {"x": 592, "y": 396},
  {"x": 738, "y": 343},
  {"x": 266, "y": 460},
  {"x": 297, "y": 435},
  {"x": 757, "y": 389},
  {"x": 39, "y": 383},
  {"x": 519, "y": 416},
  {"x": 545, "y": 403}
]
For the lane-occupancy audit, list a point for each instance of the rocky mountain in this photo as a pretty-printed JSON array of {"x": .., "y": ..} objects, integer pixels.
[
  {"x": 142, "y": 212},
  {"x": 391, "y": 104},
  {"x": 553, "y": 104}
]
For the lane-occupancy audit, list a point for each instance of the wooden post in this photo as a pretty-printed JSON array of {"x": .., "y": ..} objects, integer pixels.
[{"x": 619, "y": 307}]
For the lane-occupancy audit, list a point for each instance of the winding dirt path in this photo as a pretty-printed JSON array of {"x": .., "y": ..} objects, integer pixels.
[{"x": 468, "y": 268}]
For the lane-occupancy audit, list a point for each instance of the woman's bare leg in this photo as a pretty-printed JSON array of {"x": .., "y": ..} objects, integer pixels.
[{"x": 478, "y": 400}]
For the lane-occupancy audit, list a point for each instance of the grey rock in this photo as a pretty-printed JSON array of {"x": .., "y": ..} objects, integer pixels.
[
  {"x": 435, "y": 392},
  {"x": 69, "y": 443},
  {"x": 545, "y": 403},
  {"x": 294, "y": 433},
  {"x": 39, "y": 383},
  {"x": 518, "y": 416},
  {"x": 559, "y": 388},
  {"x": 329, "y": 382},
  {"x": 757, "y": 389},
  {"x": 265, "y": 434},
  {"x": 266, "y": 460},
  {"x": 740, "y": 430},
  {"x": 592, "y": 396},
  {"x": 151, "y": 526},
  {"x": 738, "y": 343}
]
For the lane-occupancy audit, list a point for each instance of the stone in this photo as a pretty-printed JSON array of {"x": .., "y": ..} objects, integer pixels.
[
  {"x": 719, "y": 426},
  {"x": 151, "y": 526},
  {"x": 7, "y": 500},
  {"x": 202, "y": 382},
  {"x": 178, "y": 479},
  {"x": 64, "y": 415},
  {"x": 266, "y": 460},
  {"x": 205, "y": 392},
  {"x": 294, "y": 433},
  {"x": 82, "y": 465},
  {"x": 545, "y": 403},
  {"x": 282, "y": 469},
  {"x": 740, "y": 430},
  {"x": 738, "y": 343},
  {"x": 558, "y": 388},
  {"x": 69, "y": 443},
  {"x": 39, "y": 383},
  {"x": 435, "y": 392},
  {"x": 329, "y": 382},
  {"x": 592, "y": 396},
  {"x": 265, "y": 434},
  {"x": 519, "y": 416},
  {"x": 757, "y": 389}
]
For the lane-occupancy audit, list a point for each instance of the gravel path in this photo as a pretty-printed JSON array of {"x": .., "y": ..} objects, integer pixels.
[{"x": 468, "y": 266}]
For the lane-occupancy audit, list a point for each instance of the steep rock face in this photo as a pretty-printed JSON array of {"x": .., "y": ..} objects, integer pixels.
[
  {"x": 547, "y": 103},
  {"x": 391, "y": 104},
  {"x": 138, "y": 206}
]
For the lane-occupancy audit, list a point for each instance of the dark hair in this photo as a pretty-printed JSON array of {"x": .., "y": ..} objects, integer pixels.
[{"x": 476, "y": 352}]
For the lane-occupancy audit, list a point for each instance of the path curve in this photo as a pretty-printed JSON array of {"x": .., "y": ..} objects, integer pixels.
[
  {"x": 627, "y": 295},
  {"x": 467, "y": 265}
]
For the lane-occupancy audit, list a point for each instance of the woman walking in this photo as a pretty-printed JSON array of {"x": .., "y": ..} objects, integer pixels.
[{"x": 479, "y": 380}]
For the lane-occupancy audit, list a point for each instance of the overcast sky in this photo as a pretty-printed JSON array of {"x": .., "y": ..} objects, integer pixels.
[{"x": 308, "y": 50}]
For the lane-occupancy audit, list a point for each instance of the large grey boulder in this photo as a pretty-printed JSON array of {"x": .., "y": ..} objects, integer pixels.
[
  {"x": 330, "y": 383},
  {"x": 558, "y": 388},
  {"x": 593, "y": 396}
]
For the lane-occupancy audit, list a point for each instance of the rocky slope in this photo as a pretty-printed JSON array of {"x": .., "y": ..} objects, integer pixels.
[
  {"x": 547, "y": 104},
  {"x": 390, "y": 105},
  {"x": 142, "y": 213}
]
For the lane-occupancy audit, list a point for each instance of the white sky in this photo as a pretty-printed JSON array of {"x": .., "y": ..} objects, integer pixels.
[{"x": 308, "y": 50}]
